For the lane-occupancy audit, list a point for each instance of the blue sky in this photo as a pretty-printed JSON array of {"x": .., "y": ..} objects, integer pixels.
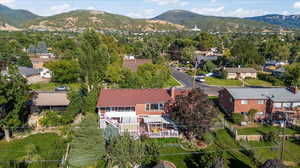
[{"x": 151, "y": 8}]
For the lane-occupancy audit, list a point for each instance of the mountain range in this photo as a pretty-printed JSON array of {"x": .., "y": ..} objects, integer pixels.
[
  {"x": 15, "y": 17},
  {"x": 292, "y": 21},
  {"x": 170, "y": 20}
]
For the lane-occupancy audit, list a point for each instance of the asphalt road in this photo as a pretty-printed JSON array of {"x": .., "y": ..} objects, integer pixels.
[{"x": 187, "y": 81}]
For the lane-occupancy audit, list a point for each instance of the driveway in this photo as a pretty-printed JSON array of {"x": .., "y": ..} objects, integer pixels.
[{"x": 187, "y": 81}]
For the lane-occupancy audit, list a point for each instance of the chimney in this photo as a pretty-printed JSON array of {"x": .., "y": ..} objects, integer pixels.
[
  {"x": 173, "y": 90},
  {"x": 294, "y": 89}
]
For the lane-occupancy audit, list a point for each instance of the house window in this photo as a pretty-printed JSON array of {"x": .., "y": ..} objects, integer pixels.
[
  {"x": 296, "y": 105},
  {"x": 277, "y": 105},
  {"x": 244, "y": 102},
  {"x": 287, "y": 105},
  {"x": 260, "y": 102},
  {"x": 154, "y": 107}
]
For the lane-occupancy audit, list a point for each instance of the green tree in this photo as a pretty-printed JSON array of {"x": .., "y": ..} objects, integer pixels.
[
  {"x": 209, "y": 66},
  {"x": 205, "y": 41},
  {"x": 251, "y": 114},
  {"x": 188, "y": 54},
  {"x": 206, "y": 160},
  {"x": 94, "y": 59},
  {"x": 292, "y": 74},
  {"x": 14, "y": 96},
  {"x": 152, "y": 75},
  {"x": 64, "y": 71},
  {"x": 246, "y": 53}
]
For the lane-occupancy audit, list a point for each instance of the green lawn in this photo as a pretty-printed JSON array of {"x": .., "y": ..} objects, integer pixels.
[
  {"x": 264, "y": 129},
  {"x": 171, "y": 82},
  {"x": 256, "y": 82},
  {"x": 233, "y": 158},
  {"x": 49, "y": 147},
  {"x": 222, "y": 82},
  {"x": 52, "y": 86}
]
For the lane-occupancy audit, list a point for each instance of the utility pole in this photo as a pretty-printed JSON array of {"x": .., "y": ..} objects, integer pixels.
[
  {"x": 283, "y": 125},
  {"x": 194, "y": 77}
]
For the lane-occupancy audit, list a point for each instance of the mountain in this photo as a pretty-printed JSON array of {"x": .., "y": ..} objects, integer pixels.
[
  {"x": 213, "y": 23},
  {"x": 14, "y": 17},
  {"x": 80, "y": 19},
  {"x": 292, "y": 21}
]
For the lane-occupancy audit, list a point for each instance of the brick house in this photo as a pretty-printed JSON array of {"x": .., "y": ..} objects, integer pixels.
[
  {"x": 270, "y": 102},
  {"x": 240, "y": 73},
  {"x": 139, "y": 111}
]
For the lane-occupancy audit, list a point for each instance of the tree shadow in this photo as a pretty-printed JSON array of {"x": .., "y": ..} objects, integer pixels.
[{"x": 237, "y": 163}]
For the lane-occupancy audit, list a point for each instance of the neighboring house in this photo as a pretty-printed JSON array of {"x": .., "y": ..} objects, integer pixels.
[
  {"x": 57, "y": 101},
  {"x": 38, "y": 63},
  {"x": 139, "y": 111},
  {"x": 129, "y": 57},
  {"x": 240, "y": 73},
  {"x": 32, "y": 75},
  {"x": 271, "y": 103},
  {"x": 42, "y": 55},
  {"x": 201, "y": 59},
  {"x": 133, "y": 64}
]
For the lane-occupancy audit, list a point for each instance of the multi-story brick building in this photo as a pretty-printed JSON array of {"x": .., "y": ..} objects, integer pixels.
[
  {"x": 139, "y": 111},
  {"x": 270, "y": 102}
]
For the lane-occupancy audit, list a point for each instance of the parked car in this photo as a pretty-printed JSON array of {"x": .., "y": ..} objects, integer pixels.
[
  {"x": 62, "y": 88},
  {"x": 199, "y": 79}
]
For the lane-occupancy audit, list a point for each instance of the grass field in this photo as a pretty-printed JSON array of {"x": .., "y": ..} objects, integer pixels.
[
  {"x": 49, "y": 147},
  {"x": 222, "y": 82},
  {"x": 171, "y": 82},
  {"x": 256, "y": 82},
  {"x": 52, "y": 86},
  {"x": 264, "y": 129}
]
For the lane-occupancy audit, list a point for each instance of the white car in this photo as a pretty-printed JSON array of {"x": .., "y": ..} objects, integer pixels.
[{"x": 199, "y": 79}]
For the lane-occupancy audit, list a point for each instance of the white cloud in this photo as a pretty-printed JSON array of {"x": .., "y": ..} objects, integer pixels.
[
  {"x": 297, "y": 5},
  {"x": 61, "y": 8},
  {"x": 91, "y": 8},
  {"x": 6, "y": 1},
  {"x": 169, "y": 2},
  {"x": 240, "y": 12},
  {"x": 147, "y": 13},
  {"x": 217, "y": 11},
  {"x": 213, "y": 1}
]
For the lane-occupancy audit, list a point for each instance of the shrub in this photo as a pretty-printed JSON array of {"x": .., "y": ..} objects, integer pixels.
[
  {"x": 224, "y": 74},
  {"x": 237, "y": 118},
  {"x": 208, "y": 138},
  {"x": 269, "y": 78},
  {"x": 271, "y": 136},
  {"x": 51, "y": 119}
]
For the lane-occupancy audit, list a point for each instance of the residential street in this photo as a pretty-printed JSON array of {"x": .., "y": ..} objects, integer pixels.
[{"x": 187, "y": 81}]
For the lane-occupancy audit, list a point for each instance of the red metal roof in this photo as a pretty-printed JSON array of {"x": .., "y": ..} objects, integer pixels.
[{"x": 131, "y": 97}]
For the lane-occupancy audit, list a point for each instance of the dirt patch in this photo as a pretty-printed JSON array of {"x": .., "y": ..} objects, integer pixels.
[{"x": 94, "y": 12}]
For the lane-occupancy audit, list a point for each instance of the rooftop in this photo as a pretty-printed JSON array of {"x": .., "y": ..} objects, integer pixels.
[
  {"x": 51, "y": 99},
  {"x": 133, "y": 64},
  {"x": 240, "y": 70},
  {"x": 25, "y": 71},
  {"x": 275, "y": 94},
  {"x": 132, "y": 97}
]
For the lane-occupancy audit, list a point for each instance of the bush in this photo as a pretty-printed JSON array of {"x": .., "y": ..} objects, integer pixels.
[
  {"x": 223, "y": 74},
  {"x": 269, "y": 78},
  {"x": 271, "y": 136},
  {"x": 51, "y": 119},
  {"x": 208, "y": 138},
  {"x": 237, "y": 118}
]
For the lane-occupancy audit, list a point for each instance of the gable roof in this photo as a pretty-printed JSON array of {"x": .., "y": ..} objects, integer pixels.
[
  {"x": 25, "y": 71},
  {"x": 275, "y": 94},
  {"x": 51, "y": 99},
  {"x": 134, "y": 63},
  {"x": 131, "y": 97},
  {"x": 240, "y": 70}
]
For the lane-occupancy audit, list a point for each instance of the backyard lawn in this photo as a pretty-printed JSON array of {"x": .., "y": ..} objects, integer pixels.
[
  {"x": 171, "y": 82},
  {"x": 256, "y": 82},
  {"x": 222, "y": 82},
  {"x": 265, "y": 129},
  {"x": 51, "y": 86},
  {"x": 48, "y": 146}
]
